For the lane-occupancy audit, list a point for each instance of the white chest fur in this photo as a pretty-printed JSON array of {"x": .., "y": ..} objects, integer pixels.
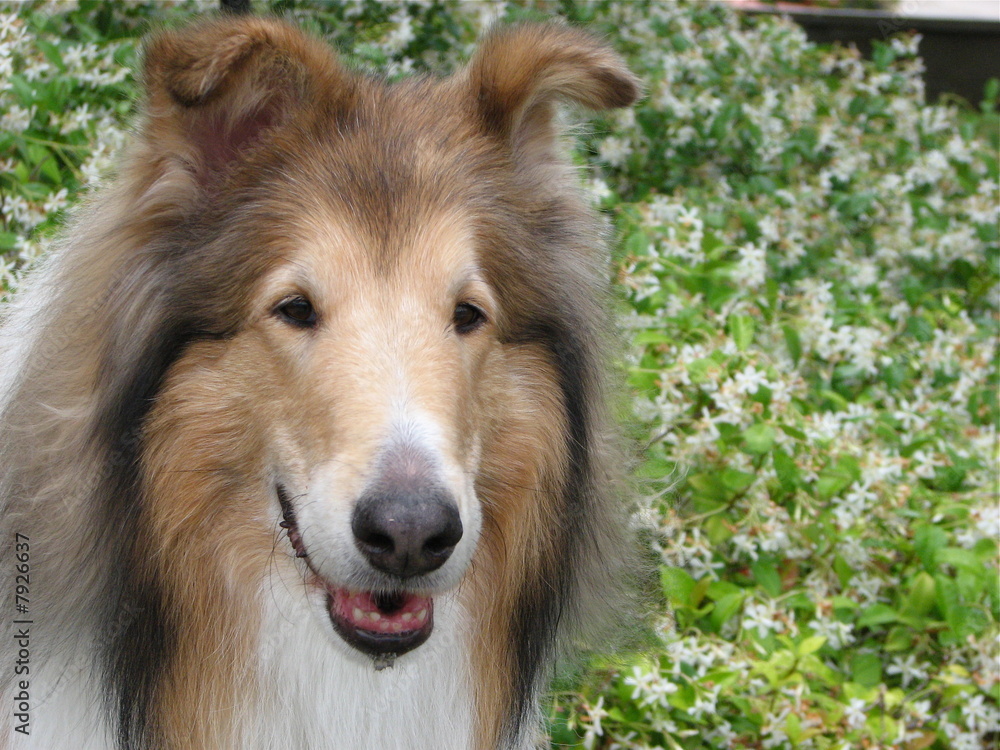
[{"x": 318, "y": 692}]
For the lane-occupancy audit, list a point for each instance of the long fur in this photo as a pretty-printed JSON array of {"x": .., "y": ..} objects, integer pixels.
[{"x": 151, "y": 401}]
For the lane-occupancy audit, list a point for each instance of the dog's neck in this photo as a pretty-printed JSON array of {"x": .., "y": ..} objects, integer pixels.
[{"x": 317, "y": 692}]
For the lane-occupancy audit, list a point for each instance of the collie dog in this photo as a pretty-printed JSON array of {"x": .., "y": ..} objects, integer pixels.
[{"x": 305, "y": 426}]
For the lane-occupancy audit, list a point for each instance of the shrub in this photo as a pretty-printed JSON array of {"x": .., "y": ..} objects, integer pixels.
[{"x": 808, "y": 261}]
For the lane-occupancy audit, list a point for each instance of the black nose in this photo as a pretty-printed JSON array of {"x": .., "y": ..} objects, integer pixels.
[{"x": 406, "y": 534}]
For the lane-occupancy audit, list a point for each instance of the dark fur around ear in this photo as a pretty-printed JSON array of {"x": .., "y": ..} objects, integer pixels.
[
  {"x": 520, "y": 72},
  {"x": 214, "y": 89}
]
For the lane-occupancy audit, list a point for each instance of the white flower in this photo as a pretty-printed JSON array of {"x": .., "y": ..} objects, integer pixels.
[
  {"x": 907, "y": 668},
  {"x": 868, "y": 587},
  {"x": 55, "y": 201},
  {"x": 921, "y": 711},
  {"x": 924, "y": 464},
  {"x": 662, "y": 210},
  {"x": 774, "y": 730},
  {"x": 855, "y": 713},
  {"x": 599, "y": 190},
  {"x": 762, "y": 617},
  {"x": 751, "y": 270},
  {"x": 6, "y": 270},
  {"x": 17, "y": 119},
  {"x": 650, "y": 687},
  {"x": 78, "y": 119},
  {"x": 962, "y": 740},
  {"x": 724, "y": 733},
  {"x": 703, "y": 705},
  {"x": 978, "y": 715},
  {"x": 641, "y": 680},
  {"x": 746, "y": 544},
  {"x": 595, "y": 714},
  {"x": 749, "y": 380},
  {"x": 614, "y": 150},
  {"x": 402, "y": 34},
  {"x": 838, "y": 634},
  {"x": 906, "y": 45},
  {"x": 36, "y": 69}
]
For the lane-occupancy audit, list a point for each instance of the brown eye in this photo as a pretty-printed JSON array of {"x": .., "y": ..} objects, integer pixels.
[
  {"x": 467, "y": 317},
  {"x": 298, "y": 311}
]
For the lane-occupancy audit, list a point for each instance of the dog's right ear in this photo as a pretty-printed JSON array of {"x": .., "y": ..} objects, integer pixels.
[
  {"x": 520, "y": 72},
  {"x": 215, "y": 89}
]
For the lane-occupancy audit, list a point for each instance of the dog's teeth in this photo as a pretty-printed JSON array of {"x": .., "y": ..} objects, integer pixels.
[
  {"x": 358, "y": 614},
  {"x": 407, "y": 616},
  {"x": 375, "y": 616},
  {"x": 422, "y": 615},
  {"x": 396, "y": 627}
]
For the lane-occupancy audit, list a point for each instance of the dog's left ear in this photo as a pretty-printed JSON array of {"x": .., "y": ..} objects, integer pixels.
[
  {"x": 216, "y": 88},
  {"x": 520, "y": 72}
]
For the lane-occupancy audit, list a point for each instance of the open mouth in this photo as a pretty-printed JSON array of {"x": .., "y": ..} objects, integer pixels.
[{"x": 376, "y": 623}]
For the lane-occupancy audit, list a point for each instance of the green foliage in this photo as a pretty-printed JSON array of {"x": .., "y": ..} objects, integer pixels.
[{"x": 808, "y": 263}]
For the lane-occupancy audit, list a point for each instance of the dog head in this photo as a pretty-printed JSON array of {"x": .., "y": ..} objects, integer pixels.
[{"x": 386, "y": 298}]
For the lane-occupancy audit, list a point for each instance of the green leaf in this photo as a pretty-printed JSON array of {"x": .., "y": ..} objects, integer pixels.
[
  {"x": 680, "y": 42},
  {"x": 793, "y": 342},
  {"x": 802, "y": 602},
  {"x": 702, "y": 370},
  {"x": 636, "y": 244},
  {"x": 678, "y": 586},
  {"x": 921, "y": 596},
  {"x": 24, "y": 91},
  {"x": 920, "y": 329},
  {"x": 844, "y": 571},
  {"x": 958, "y": 558},
  {"x": 900, "y": 638},
  {"x": 765, "y": 573},
  {"x": 8, "y": 240},
  {"x": 927, "y": 540},
  {"x": 758, "y": 438},
  {"x": 718, "y": 589},
  {"x": 793, "y": 728},
  {"x": 882, "y": 54},
  {"x": 741, "y": 329},
  {"x": 709, "y": 486},
  {"x": 810, "y": 645},
  {"x": 991, "y": 92},
  {"x": 718, "y": 530},
  {"x": 831, "y": 485},
  {"x": 877, "y": 614},
  {"x": 785, "y": 469},
  {"x": 737, "y": 481},
  {"x": 843, "y": 603},
  {"x": 947, "y": 598},
  {"x": 726, "y": 607},
  {"x": 970, "y": 621},
  {"x": 792, "y": 432},
  {"x": 866, "y": 669},
  {"x": 836, "y": 478},
  {"x": 652, "y": 336}
]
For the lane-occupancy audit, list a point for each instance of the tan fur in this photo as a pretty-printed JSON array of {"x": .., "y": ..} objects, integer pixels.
[
  {"x": 264, "y": 169},
  {"x": 516, "y": 479},
  {"x": 215, "y": 538}
]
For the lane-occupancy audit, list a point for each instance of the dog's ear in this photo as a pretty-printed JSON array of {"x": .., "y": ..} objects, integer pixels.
[
  {"x": 520, "y": 72},
  {"x": 216, "y": 88}
]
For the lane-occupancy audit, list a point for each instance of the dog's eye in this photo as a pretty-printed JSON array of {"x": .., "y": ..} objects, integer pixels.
[
  {"x": 467, "y": 317},
  {"x": 297, "y": 311}
]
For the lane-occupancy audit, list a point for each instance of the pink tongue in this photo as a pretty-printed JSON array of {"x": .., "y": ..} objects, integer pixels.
[{"x": 360, "y": 611}]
